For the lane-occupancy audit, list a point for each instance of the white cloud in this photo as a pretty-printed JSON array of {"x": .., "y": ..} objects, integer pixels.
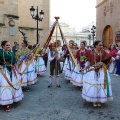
[{"x": 77, "y": 13}]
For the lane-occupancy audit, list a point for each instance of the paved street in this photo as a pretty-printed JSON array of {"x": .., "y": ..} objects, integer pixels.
[{"x": 65, "y": 103}]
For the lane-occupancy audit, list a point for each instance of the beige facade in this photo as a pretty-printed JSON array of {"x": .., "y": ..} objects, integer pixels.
[
  {"x": 27, "y": 24},
  {"x": 108, "y": 21},
  {"x": 8, "y": 12},
  {"x": 18, "y": 11}
]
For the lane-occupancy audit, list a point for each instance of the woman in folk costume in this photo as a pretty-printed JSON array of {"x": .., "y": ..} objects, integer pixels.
[
  {"x": 53, "y": 58},
  {"x": 74, "y": 51},
  {"x": 118, "y": 62},
  {"x": 97, "y": 83},
  {"x": 65, "y": 53},
  {"x": 23, "y": 56},
  {"x": 10, "y": 87},
  {"x": 59, "y": 49},
  {"x": 30, "y": 47},
  {"x": 64, "y": 57},
  {"x": 70, "y": 65},
  {"x": 40, "y": 64},
  {"x": 106, "y": 49},
  {"x": 81, "y": 56},
  {"x": 113, "y": 53}
]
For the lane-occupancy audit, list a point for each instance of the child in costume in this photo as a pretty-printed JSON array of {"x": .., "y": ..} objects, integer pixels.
[{"x": 53, "y": 58}]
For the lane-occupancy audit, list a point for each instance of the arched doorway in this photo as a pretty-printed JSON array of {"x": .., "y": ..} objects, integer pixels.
[{"x": 108, "y": 35}]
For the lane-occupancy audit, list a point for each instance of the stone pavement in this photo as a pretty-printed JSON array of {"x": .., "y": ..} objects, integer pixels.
[{"x": 64, "y": 103}]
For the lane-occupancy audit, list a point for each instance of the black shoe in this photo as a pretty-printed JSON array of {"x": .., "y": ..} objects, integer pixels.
[
  {"x": 58, "y": 86},
  {"x": 49, "y": 86},
  {"x": 60, "y": 72},
  {"x": 27, "y": 89}
]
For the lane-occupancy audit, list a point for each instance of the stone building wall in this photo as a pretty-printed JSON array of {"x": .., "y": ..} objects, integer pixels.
[
  {"x": 19, "y": 12},
  {"x": 29, "y": 25},
  {"x": 8, "y": 11},
  {"x": 108, "y": 14}
]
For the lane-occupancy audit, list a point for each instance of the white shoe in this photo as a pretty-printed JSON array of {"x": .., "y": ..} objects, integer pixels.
[
  {"x": 94, "y": 105},
  {"x": 99, "y": 104},
  {"x": 116, "y": 75}
]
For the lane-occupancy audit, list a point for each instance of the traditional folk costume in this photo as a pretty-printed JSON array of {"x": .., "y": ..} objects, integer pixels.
[
  {"x": 53, "y": 67},
  {"x": 77, "y": 77},
  {"x": 70, "y": 67},
  {"x": 10, "y": 87},
  {"x": 118, "y": 63},
  {"x": 29, "y": 77},
  {"x": 59, "y": 49},
  {"x": 40, "y": 64},
  {"x": 65, "y": 65},
  {"x": 65, "y": 56},
  {"x": 112, "y": 66},
  {"x": 97, "y": 83}
]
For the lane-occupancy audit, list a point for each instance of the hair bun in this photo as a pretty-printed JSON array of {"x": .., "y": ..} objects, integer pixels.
[{"x": 25, "y": 42}]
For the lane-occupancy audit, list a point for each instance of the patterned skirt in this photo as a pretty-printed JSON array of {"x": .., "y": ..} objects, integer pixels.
[
  {"x": 29, "y": 77},
  {"x": 40, "y": 66},
  {"x": 93, "y": 87},
  {"x": 8, "y": 94},
  {"x": 77, "y": 78}
]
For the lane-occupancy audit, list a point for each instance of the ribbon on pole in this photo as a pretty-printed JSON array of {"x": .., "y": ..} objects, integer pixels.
[
  {"x": 39, "y": 45},
  {"x": 56, "y": 61},
  {"x": 75, "y": 62},
  {"x": 49, "y": 39},
  {"x": 61, "y": 34},
  {"x": 10, "y": 84}
]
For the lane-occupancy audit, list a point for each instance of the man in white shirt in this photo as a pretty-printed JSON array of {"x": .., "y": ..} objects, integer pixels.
[{"x": 53, "y": 58}]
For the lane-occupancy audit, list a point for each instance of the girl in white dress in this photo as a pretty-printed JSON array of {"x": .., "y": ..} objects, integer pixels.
[
  {"x": 97, "y": 83},
  {"x": 10, "y": 79}
]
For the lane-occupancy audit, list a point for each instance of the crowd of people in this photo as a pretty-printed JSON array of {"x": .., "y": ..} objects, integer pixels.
[{"x": 20, "y": 67}]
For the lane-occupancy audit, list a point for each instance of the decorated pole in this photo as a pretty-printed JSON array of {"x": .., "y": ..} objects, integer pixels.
[
  {"x": 56, "y": 62},
  {"x": 69, "y": 50},
  {"x": 49, "y": 39},
  {"x": 43, "y": 40}
]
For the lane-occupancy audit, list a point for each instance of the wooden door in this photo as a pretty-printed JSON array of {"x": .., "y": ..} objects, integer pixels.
[{"x": 108, "y": 36}]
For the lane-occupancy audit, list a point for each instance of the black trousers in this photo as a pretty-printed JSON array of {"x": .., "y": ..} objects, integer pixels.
[
  {"x": 59, "y": 67},
  {"x": 53, "y": 69}
]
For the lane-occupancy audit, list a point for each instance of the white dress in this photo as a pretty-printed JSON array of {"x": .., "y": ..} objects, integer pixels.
[
  {"x": 77, "y": 78},
  {"x": 8, "y": 94},
  {"x": 40, "y": 65},
  {"x": 93, "y": 87},
  {"x": 65, "y": 65},
  {"x": 29, "y": 77},
  {"x": 112, "y": 67},
  {"x": 69, "y": 70}
]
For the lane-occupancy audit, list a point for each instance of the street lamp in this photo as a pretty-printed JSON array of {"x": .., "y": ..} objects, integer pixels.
[
  {"x": 93, "y": 30},
  {"x": 89, "y": 38},
  {"x": 36, "y": 17}
]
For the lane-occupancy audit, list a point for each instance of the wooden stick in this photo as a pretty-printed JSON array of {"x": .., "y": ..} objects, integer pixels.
[
  {"x": 56, "y": 62},
  {"x": 42, "y": 43},
  {"x": 70, "y": 51}
]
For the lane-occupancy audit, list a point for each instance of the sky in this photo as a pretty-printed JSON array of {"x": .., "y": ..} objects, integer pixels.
[{"x": 76, "y": 13}]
